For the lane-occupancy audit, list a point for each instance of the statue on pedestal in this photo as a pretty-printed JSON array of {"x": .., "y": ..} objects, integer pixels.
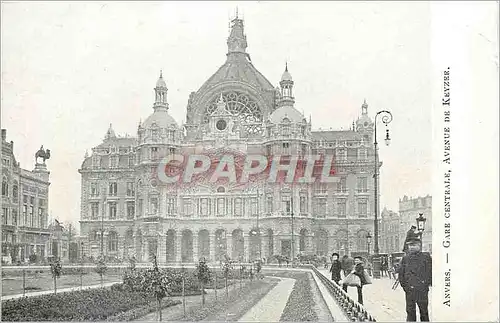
[{"x": 41, "y": 153}]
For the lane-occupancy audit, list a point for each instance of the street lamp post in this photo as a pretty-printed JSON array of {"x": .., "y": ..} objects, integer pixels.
[
  {"x": 386, "y": 119},
  {"x": 369, "y": 241},
  {"x": 293, "y": 241}
]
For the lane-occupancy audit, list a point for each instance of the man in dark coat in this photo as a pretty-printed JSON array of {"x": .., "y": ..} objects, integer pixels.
[
  {"x": 411, "y": 234},
  {"x": 336, "y": 268},
  {"x": 415, "y": 277}
]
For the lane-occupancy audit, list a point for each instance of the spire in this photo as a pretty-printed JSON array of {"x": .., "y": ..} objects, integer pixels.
[
  {"x": 161, "y": 94},
  {"x": 237, "y": 41},
  {"x": 110, "y": 133},
  {"x": 286, "y": 85},
  {"x": 353, "y": 126}
]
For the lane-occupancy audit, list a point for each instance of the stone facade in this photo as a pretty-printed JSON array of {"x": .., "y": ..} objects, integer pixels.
[
  {"x": 25, "y": 200},
  {"x": 126, "y": 211},
  {"x": 409, "y": 210},
  {"x": 391, "y": 240}
]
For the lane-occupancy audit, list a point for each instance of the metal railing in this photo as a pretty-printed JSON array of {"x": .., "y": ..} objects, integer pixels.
[{"x": 353, "y": 310}]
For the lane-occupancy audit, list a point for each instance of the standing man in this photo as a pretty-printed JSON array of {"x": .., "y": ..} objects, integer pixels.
[
  {"x": 358, "y": 270},
  {"x": 415, "y": 277}
]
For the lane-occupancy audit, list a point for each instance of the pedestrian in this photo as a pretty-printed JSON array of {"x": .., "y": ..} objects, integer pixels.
[
  {"x": 411, "y": 234},
  {"x": 347, "y": 264},
  {"x": 336, "y": 268},
  {"x": 359, "y": 271},
  {"x": 383, "y": 267},
  {"x": 415, "y": 277}
]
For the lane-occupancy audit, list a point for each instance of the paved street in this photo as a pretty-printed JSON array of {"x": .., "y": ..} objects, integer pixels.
[{"x": 385, "y": 304}]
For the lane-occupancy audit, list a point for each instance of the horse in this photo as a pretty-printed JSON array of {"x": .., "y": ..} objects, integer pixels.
[{"x": 44, "y": 154}]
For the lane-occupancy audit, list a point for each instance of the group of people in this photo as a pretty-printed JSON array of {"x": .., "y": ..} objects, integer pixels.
[{"x": 414, "y": 274}]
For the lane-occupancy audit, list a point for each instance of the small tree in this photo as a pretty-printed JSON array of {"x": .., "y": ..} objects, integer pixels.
[
  {"x": 203, "y": 275},
  {"x": 156, "y": 283},
  {"x": 101, "y": 268},
  {"x": 55, "y": 269},
  {"x": 226, "y": 269}
]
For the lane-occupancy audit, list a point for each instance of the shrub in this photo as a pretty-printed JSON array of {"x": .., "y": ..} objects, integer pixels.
[{"x": 86, "y": 305}]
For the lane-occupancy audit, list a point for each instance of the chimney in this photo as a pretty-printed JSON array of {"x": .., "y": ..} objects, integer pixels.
[{"x": 4, "y": 134}]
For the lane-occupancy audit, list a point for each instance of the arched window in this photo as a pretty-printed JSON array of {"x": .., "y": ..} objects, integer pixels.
[
  {"x": 112, "y": 241},
  {"x": 221, "y": 189},
  {"x": 15, "y": 193},
  {"x": 5, "y": 187}
]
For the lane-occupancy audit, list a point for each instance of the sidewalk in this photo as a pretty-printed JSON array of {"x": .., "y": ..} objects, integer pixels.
[
  {"x": 271, "y": 306},
  {"x": 62, "y": 290},
  {"x": 381, "y": 301}
]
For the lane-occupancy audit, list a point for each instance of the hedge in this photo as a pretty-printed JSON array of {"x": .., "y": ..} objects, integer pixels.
[{"x": 86, "y": 305}]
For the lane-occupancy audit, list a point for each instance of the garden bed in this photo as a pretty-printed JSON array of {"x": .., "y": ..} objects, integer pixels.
[
  {"x": 301, "y": 305},
  {"x": 87, "y": 305}
]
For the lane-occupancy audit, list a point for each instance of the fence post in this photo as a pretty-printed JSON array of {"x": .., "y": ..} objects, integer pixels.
[
  {"x": 24, "y": 282},
  {"x": 215, "y": 284},
  {"x": 183, "y": 296}
]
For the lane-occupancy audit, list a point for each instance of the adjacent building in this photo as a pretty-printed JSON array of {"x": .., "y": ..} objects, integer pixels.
[
  {"x": 25, "y": 200},
  {"x": 390, "y": 235},
  {"x": 126, "y": 211},
  {"x": 409, "y": 210}
]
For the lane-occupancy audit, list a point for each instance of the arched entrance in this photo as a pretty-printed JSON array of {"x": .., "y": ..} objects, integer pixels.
[
  {"x": 187, "y": 246},
  {"x": 322, "y": 242},
  {"x": 238, "y": 245},
  {"x": 170, "y": 246},
  {"x": 204, "y": 244},
  {"x": 303, "y": 241},
  {"x": 220, "y": 244},
  {"x": 255, "y": 244}
]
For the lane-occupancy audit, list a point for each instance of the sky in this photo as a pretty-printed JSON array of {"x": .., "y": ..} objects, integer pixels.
[{"x": 69, "y": 69}]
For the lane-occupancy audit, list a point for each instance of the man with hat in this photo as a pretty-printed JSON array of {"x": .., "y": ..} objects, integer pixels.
[
  {"x": 415, "y": 277},
  {"x": 411, "y": 234}
]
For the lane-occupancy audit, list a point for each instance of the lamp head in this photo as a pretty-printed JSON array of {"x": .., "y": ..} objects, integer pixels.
[{"x": 387, "y": 138}]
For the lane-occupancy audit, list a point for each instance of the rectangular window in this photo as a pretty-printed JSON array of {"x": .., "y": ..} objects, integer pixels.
[
  {"x": 204, "y": 207},
  {"x": 321, "y": 188},
  {"x": 254, "y": 207},
  {"x": 286, "y": 148},
  {"x": 94, "y": 189},
  {"x": 140, "y": 207},
  {"x": 321, "y": 207},
  {"x": 113, "y": 189},
  {"x": 237, "y": 207},
  {"x": 269, "y": 203},
  {"x": 171, "y": 150},
  {"x": 363, "y": 208},
  {"x": 32, "y": 200},
  {"x": 221, "y": 207},
  {"x": 14, "y": 216},
  {"x": 25, "y": 215},
  {"x": 130, "y": 189},
  {"x": 113, "y": 162},
  {"x": 171, "y": 206},
  {"x": 341, "y": 154},
  {"x": 362, "y": 184},
  {"x": 186, "y": 204},
  {"x": 153, "y": 205},
  {"x": 131, "y": 161},
  {"x": 362, "y": 154},
  {"x": 341, "y": 207},
  {"x": 96, "y": 161},
  {"x": 5, "y": 213},
  {"x": 25, "y": 199},
  {"x": 154, "y": 153},
  {"x": 40, "y": 215},
  {"x": 32, "y": 220},
  {"x": 130, "y": 210},
  {"x": 287, "y": 208},
  {"x": 112, "y": 210},
  {"x": 94, "y": 210},
  {"x": 303, "y": 204},
  {"x": 342, "y": 185},
  {"x": 286, "y": 129}
]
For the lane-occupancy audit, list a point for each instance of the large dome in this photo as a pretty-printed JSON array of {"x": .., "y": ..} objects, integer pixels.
[
  {"x": 161, "y": 118},
  {"x": 286, "y": 112}
]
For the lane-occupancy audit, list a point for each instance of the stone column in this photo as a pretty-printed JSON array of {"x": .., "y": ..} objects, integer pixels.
[
  {"x": 162, "y": 249},
  {"x": 229, "y": 245},
  {"x": 277, "y": 244},
  {"x": 246, "y": 246},
  {"x": 195, "y": 246},
  {"x": 213, "y": 248},
  {"x": 178, "y": 244}
]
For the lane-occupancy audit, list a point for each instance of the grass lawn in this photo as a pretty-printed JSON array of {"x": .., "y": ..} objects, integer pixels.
[
  {"x": 239, "y": 302},
  {"x": 44, "y": 281}
]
